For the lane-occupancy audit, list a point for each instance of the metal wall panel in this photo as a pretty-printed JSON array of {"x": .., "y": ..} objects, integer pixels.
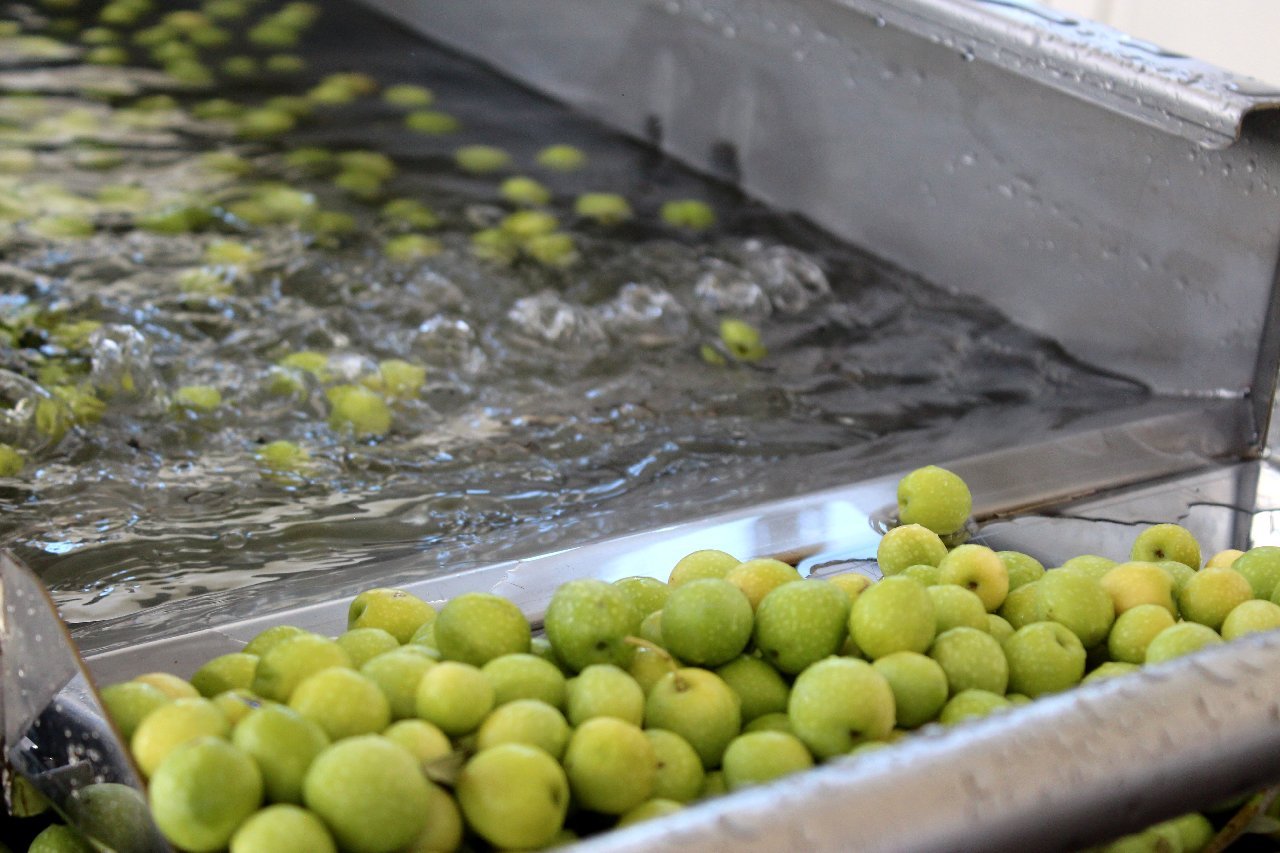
[{"x": 1084, "y": 183}]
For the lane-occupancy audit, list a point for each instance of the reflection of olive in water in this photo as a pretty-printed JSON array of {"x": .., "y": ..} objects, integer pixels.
[{"x": 114, "y": 815}]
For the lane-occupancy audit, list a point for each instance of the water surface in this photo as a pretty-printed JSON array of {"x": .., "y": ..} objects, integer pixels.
[{"x": 561, "y": 404}]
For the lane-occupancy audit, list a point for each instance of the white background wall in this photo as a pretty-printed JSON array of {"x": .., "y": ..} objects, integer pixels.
[{"x": 1242, "y": 35}]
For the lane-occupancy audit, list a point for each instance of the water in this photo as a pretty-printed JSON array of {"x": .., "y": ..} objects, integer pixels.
[{"x": 560, "y": 405}]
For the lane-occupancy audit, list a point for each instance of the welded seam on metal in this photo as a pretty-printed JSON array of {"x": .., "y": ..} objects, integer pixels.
[{"x": 1264, "y": 390}]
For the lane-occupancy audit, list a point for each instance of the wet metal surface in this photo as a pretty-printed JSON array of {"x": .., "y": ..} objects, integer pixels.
[{"x": 55, "y": 732}]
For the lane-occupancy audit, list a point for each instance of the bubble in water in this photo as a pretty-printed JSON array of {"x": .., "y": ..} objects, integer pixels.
[
  {"x": 442, "y": 333},
  {"x": 233, "y": 539},
  {"x": 791, "y": 279},
  {"x": 645, "y": 314},
  {"x": 20, "y": 402},
  {"x": 449, "y": 341},
  {"x": 548, "y": 318},
  {"x": 121, "y": 357},
  {"x": 727, "y": 289}
]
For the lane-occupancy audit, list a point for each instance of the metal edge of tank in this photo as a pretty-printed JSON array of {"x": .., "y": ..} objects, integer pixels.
[
  {"x": 1087, "y": 59},
  {"x": 1099, "y": 190},
  {"x": 1004, "y": 481}
]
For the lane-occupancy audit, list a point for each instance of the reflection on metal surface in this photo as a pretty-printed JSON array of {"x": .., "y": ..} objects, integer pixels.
[
  {"x": 56, "y": 733},
  {"x": 1231, "y": 506}
]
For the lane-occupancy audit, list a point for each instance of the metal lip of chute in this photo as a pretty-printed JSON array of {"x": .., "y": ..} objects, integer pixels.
[{"x": 1161, "y": 88}]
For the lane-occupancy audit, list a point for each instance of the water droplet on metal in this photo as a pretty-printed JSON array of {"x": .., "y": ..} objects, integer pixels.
[
  {"x": 1253, "y": 88},
  {"x": 1150, "y": 47}
]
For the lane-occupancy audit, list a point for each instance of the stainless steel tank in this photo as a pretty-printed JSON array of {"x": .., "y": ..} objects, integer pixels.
[{"x": 1118, "y": 198}]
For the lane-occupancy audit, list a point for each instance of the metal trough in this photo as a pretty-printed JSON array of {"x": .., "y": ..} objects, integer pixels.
[{"x": 1119, "y": 199}]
